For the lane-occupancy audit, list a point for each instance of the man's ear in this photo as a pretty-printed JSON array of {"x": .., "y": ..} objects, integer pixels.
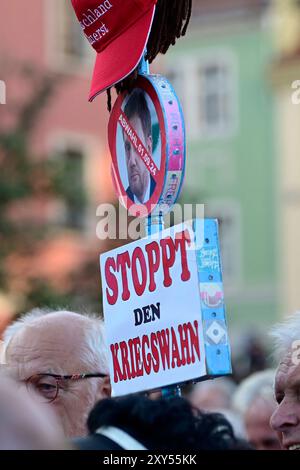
[{"x": 105, "y": 388}]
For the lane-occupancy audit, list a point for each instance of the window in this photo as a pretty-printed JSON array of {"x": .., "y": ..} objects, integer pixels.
[
  {"x": 68, "y": 46},
  {"x": 70, "y": 187},
  {"x": 215, "y": 98},
  {"x": 73, "y": 40},
  {"x": 207, "y": 87}
]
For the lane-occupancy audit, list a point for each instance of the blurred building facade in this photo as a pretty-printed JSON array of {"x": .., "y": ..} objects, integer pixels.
[
  {"x": 221, "y": 73},
  {"x": 233, "y": 73},
  {"x": 42, "y": 37}
]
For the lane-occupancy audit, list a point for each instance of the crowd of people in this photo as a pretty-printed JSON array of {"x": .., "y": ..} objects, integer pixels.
[{"x": 55, "y": 394}]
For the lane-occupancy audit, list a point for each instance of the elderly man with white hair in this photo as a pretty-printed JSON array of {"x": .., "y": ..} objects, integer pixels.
[
  {"x": 286, "y": 418},
  {"x": 25, "y": 424},
  {"x": 62, "y": 356},
  {"x": 254, "y": 401}
]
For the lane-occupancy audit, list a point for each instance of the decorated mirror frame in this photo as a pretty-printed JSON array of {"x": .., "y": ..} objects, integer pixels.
[{"x": 167, "y": 167}]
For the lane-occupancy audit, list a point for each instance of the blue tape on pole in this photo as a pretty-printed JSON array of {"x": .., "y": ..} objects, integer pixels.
[{"x": 217, "y": 347}]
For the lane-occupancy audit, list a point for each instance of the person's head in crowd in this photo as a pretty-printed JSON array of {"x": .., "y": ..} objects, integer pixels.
[
  {"x": 54, "y": 354},
  {"x": 141, "y": 184},
  {"x": 212, "y": 395},
  {"x": 25, "y": 424},
  {"x": 254, "y": 400},
  {"x": 215, "y": 396},
  {"x": 137, "y": 423},
  {"x": 286, "y": 417},
  {"x": 236, "y": 421}
]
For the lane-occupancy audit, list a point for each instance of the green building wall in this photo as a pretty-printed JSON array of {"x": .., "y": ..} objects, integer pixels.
[{"x": 245, "y": 180}]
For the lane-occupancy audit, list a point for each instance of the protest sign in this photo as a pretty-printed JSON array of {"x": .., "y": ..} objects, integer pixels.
[{"x": 164, "y": 309}]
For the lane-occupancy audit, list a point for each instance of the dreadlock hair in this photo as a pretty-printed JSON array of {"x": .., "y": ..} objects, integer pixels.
[{"x": 170, "y": 22}]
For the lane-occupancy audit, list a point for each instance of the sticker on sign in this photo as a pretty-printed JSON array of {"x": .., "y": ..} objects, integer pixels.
[{"x": 152, "y": 311}]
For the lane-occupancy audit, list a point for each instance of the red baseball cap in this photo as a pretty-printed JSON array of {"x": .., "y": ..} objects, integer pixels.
[{"x": 118, "y": 30}]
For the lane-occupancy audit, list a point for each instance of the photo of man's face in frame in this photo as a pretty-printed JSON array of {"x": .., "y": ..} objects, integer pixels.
[{"x": 136, "y": 179}]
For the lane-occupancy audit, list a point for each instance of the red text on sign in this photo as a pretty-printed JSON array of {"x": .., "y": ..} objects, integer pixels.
[
  {"x": 142, "y": 266},
  {"x": 169, "y": 348}
]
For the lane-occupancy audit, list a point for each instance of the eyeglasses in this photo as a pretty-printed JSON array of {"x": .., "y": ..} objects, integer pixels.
[{"x": 47, "y": 386}]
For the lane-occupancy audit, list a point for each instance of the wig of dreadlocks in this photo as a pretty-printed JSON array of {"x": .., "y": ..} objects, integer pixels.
[{"x": 170, "y": 22}]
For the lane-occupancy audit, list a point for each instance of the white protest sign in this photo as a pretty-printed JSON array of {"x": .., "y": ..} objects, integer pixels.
[{"x": 152, "y": 310}]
